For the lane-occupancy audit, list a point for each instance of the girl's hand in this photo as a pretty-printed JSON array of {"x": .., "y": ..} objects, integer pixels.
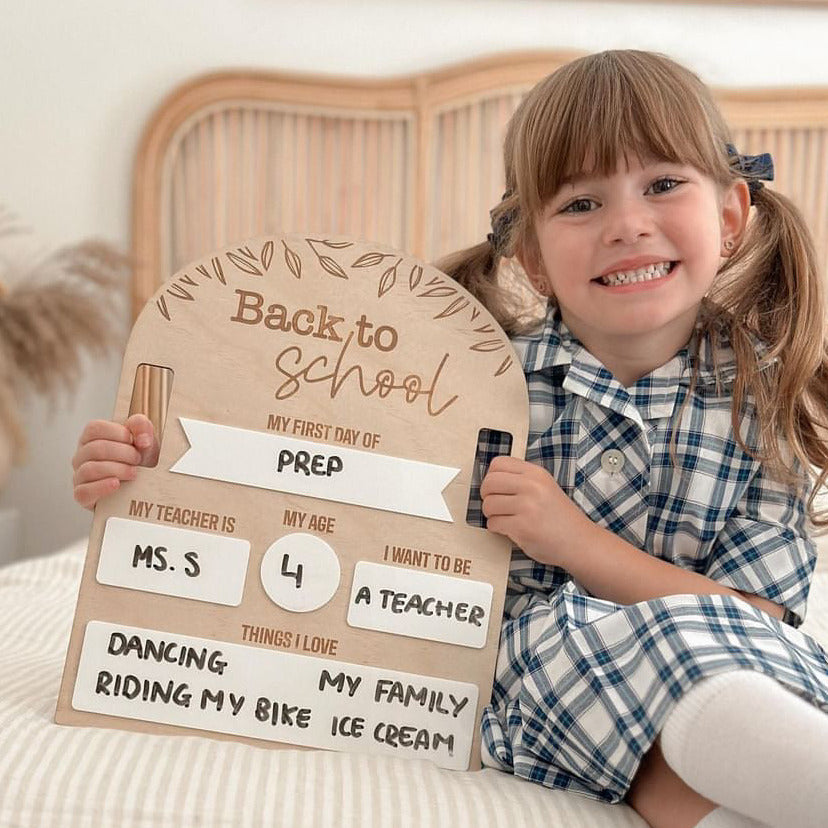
[
  {"x": 108, "y": 453},
  {"x": 524, "y": 502}
]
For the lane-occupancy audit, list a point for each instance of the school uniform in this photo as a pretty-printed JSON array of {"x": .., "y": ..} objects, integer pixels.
[{"x": 583, "y": 685}]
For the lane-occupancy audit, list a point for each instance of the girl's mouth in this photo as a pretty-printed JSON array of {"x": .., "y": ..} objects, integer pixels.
[{"x": 649, "y": 273}]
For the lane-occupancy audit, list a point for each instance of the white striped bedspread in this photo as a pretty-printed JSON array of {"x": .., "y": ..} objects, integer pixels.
[{"x": 71, "y": 777}]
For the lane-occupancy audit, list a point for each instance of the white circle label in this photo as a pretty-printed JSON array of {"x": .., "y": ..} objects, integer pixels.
[{"x": 300, "y": 572}]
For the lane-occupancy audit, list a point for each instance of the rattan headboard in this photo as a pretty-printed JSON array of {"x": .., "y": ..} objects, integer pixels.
[{"x": 414, "y": 162}]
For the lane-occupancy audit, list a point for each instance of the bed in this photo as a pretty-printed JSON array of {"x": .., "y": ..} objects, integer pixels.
[
  {"x": 70, "y": 777},
  {"x": 413, "y": 162}
]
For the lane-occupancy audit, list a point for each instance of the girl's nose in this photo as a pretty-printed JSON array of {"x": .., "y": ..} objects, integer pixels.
[{"x": 626, "y": 222}]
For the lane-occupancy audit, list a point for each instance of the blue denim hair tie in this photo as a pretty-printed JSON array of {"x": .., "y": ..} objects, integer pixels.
[
  {"x": 752, "y": 168},
  {"x": 500, "y": 225}
]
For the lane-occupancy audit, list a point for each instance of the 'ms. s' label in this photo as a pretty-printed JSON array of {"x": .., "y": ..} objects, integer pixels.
[{"x": 169, "y": 560}]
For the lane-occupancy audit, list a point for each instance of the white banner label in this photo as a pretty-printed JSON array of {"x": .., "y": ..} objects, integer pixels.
[
  {"x": 171, "y": 561},
  {"x": 249, "y": 691},
  {"x": 285, "y": 464},
  {"x": 420, "y": 604}
]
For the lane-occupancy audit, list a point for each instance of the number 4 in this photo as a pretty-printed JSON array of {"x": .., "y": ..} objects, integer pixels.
[{"x": 287, "y": 573}]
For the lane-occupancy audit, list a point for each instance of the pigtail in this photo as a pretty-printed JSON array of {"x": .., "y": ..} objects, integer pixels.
[
  {"x": 772, "y": 289},
  {"x": 475, "y": 269},
  {"x": 488, "y": 273}
]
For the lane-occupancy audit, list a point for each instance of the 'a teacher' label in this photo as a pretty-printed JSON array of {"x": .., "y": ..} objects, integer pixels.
[
  {"x": 247, "y": 691},
  {"x": 404, "y": 601}
]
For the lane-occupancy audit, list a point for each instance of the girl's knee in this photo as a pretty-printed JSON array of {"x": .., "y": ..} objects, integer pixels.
[{"x": 660, "y": 797}]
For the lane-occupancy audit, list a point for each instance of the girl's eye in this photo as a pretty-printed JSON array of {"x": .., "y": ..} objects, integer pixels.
[
  {"x": 664, "y": 185},
  {"x": 579, "y": 205}
]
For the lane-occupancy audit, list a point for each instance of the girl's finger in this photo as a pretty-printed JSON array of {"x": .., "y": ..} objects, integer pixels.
[
  {"x": 106, "y": 450},
  {"x": 88, "y": 494},
  {"x": 499, "y": 505},
  {"x": 105, "y": 430},
  {"x": 144, "y": 438},
  {"x": 499, "y": 525},
  {"x": 100, "y": 469},
  {"x": 141, "y": 429},
  {"x": 499, "y": 482},
  {"x": 507, "y": 463}
]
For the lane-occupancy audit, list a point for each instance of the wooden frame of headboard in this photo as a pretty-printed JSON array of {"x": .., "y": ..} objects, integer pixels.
[
  {"x": 420, "y": 94},
  {"x": 791, "y": 123}
]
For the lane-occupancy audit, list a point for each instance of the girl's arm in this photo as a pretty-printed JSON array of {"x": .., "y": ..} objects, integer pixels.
[
  {"x": 609, "y": 567},
  {"x": 522, "y": 501}
]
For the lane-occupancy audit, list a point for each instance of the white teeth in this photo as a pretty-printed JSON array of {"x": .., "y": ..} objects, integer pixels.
[{"x": 643, "y": 274}]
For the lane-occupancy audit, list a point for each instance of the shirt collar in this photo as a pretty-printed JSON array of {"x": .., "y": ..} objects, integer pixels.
[
  {"x": 552, "y": 345},
  {"x": 549, "y": 345}
]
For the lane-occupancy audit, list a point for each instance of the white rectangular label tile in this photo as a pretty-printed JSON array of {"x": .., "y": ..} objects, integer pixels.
[
  {"x": 168, "y": 560},
  {"x": 279, "y": 696},
  {"x": 342, "y": 475},
  {"x": 419, "y": 604}
]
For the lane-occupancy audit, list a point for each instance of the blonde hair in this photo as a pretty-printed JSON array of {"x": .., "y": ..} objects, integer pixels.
[{"x": 608, "y": 107}]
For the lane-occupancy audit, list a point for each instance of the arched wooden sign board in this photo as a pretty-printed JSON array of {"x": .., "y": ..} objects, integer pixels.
[{"x": 297, "y": 569}]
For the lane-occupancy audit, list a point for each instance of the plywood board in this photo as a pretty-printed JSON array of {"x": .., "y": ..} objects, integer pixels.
[{"x": 297, "y": 569}]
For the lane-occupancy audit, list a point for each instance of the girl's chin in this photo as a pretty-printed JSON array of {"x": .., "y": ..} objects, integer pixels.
[{"x": 656, "y": 324}]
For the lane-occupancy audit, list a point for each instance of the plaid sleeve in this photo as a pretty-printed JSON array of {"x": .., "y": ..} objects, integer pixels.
[
  {"x": 765, "y": 549},
  {"x": 490, "y": 444}
]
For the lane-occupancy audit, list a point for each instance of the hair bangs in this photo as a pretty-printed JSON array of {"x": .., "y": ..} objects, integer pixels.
[{"x": 604, "y": 110}]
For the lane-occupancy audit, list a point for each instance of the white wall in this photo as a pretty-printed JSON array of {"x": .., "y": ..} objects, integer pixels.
[{"x": 80, "y": 78}]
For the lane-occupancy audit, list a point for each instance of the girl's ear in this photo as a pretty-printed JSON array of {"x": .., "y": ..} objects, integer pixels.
[{"x": 735, "y": 210}]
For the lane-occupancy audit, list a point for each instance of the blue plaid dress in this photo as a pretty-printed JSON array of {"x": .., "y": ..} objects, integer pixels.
[{"x": 583, "y": 685}]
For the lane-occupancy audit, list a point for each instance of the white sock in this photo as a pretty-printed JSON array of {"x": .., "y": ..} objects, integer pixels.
[
  {"x": 725, "y": 818},
  {"x": 742, "y": 740}
]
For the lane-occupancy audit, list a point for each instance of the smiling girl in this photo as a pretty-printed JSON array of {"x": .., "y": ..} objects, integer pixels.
[{"x": 677, "y": 386}]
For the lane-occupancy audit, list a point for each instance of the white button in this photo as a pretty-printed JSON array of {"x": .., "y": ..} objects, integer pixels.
[{"x": 612, "y": 460}]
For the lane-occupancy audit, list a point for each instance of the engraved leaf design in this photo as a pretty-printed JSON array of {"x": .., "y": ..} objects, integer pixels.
[
  {"x": 332, "y": 267},
  {"x": 162, "y": 306},
  {"x": 188, "y": 280},
  {"x": 388, "y": 279},
  {"x": 243, "y": 264},
  {"x": 475, "y": 313},
  {"x": 267, "y": 255},
  {"x": 217, "y": 269},
  {"x": 415, "y": 277},
  {"x": 203, "y": 271},
  {"x": 488, "y": 345},
  {"x": 504, "y": 366},
  {"x": 484, "y": 329},
  {"x": 336, "y": 245},
  {"x": 369, "y": 259},
  {"x": 455, "y": 307},
  {"x": 440, "y": 290},
  {"x": 180, "y": 292},
  {"x": 293, "y": 261}
]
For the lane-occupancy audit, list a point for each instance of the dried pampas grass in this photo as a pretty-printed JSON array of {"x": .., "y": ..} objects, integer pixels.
[{"x": 53, "y": 311}]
